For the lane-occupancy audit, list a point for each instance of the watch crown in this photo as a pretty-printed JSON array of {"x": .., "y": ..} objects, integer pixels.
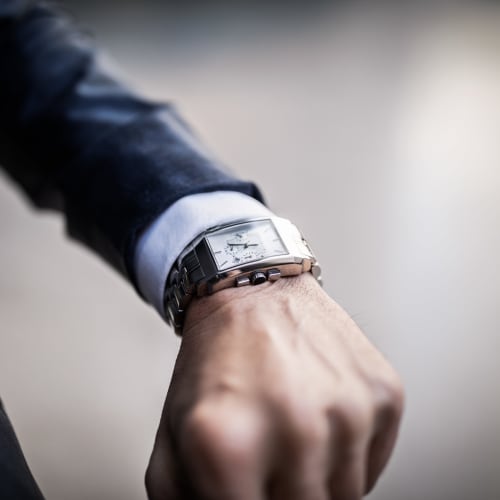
[{"x": 258, "y": 277}]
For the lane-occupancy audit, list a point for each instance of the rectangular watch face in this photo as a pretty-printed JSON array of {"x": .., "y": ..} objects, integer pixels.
[{"x": 245, "y": 243}]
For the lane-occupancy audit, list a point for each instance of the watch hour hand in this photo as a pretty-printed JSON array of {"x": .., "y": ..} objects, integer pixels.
[{"x": 246, "y": 245}]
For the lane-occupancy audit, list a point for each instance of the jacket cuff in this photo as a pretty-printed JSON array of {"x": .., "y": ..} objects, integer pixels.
[{"x": 166, "y": 237}]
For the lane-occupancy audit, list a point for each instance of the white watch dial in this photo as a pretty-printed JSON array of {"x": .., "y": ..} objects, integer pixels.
[{"x": 244, "y": 243}]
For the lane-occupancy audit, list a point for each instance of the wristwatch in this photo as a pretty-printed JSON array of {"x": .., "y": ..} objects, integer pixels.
[{"x": 242, "y": 253}]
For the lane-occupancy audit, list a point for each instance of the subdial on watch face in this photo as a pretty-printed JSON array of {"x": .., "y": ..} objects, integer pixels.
[{"x": 243, "y": 247}]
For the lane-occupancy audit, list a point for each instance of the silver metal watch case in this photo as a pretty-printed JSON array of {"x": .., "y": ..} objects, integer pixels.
[{"x": 199, "y": 271}]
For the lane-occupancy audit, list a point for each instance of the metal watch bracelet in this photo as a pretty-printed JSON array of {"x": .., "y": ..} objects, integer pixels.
[{"x": 196, "y": 274}]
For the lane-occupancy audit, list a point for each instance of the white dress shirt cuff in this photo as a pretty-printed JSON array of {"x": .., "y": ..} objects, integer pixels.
[{"x": 167, "y": 236}]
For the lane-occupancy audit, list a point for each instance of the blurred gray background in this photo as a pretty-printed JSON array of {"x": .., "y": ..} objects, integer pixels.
[{"x": 376, "y": 129}]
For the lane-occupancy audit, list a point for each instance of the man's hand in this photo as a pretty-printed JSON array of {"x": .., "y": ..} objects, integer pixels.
[{"x": 276, "y": 394}]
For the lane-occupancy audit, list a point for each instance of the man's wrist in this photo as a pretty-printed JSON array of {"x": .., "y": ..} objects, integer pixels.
[{"x": 245, "y": 301}]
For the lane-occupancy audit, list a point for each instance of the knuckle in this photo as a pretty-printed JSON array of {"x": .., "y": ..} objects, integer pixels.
[
  {"x": 200, "y": 427},
  {"x": 351, "y": 416},
  {"x": 303, "y": 421},
  {"x": 390, "y": 396},
  {"x": 225, "y": 438},
  {"x": 309, "y": 429}
]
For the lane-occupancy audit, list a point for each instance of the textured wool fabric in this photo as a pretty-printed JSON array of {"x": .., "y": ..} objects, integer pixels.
[
  {"x": 78, "y": 140},
  {"x": 16, "y": 480}
]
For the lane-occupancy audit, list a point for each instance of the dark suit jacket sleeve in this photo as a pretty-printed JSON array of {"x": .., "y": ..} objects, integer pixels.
[{"x": 77, "y": 140}]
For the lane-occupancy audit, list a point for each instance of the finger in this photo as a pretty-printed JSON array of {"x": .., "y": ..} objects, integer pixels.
[
  {"x": 390, "y": 409},
  {"x": 222, "y": 448},
  {"x": 352, "y": 427},
  {"x": 296, "y": 482},
  {"x": 348, "y": 477},
  {"x": 380, "y": 450},
  {"x": 303, "y": 461},
  {"x": 163, "y": 479}
]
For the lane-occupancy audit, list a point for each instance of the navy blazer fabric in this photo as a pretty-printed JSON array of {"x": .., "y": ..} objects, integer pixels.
[
  {"x": 16, "y": 480},
  {"x": 78, "y": 140}
]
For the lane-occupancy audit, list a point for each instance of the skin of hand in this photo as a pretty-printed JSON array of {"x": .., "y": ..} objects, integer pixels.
[{"x": 276, "y": 394}]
